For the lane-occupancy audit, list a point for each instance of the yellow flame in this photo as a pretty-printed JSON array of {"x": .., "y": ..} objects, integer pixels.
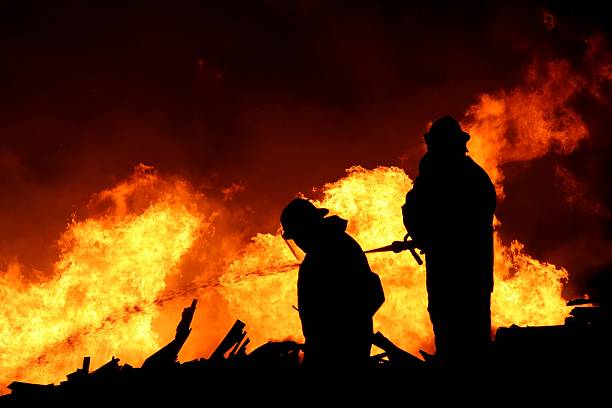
[
  {"x": 99, "y": 302},
  {"x": 113, "y": 267},
  {"x": 527, "y": 292}
]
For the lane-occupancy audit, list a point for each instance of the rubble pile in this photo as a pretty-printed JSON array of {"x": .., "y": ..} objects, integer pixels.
[{"x": 582, "y": 343}]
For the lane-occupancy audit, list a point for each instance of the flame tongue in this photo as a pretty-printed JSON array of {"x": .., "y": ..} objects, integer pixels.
[
  {"x": 527, "y": 291},
  {"x": 100, "y": 302},
  {"x": 528, "y": 121},
  {"x": 113, "y": 268}
]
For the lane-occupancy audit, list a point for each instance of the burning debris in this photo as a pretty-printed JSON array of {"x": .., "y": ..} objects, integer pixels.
[
  {"x": 153, "y": 239},
  {"x": 118, "y": 269},
  {"x": 161, "y": 368},
  {"x": 581, "y": 343},
  {"x": 129, "y": 258}
]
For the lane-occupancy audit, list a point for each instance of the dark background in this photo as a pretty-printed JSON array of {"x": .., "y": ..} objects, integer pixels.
[{"x": 279, "y": 96}]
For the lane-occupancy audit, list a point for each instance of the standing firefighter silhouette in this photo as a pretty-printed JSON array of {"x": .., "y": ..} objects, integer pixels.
[
  {"x": 449, "y": 215},
  {"x": 337, "y": 292}
]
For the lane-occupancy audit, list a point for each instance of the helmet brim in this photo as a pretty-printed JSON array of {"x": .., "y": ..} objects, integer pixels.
[{"x": 291, "y": 233}]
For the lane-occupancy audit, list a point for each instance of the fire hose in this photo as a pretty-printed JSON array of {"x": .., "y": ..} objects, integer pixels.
[{"x": 397, "y": 247}]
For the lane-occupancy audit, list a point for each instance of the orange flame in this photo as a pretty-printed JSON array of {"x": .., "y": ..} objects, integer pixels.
[
  {"x": 527, "y": 291},
  {"x": 527, "y": 122},
  {"x": 109, "y": 268},
  {"x": 113, "y": 268},
  {"x": 522, "y": 124}
]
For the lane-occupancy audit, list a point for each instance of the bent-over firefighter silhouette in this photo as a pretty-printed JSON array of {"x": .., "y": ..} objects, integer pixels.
[
  {"x": 337, "y": 292},
  {"x": 449, "y": 215}
]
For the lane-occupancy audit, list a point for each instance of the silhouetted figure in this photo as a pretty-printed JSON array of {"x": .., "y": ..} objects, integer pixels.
[
  {"x": 337, "y": 292},
  {"x": 449, "y": 215}
]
